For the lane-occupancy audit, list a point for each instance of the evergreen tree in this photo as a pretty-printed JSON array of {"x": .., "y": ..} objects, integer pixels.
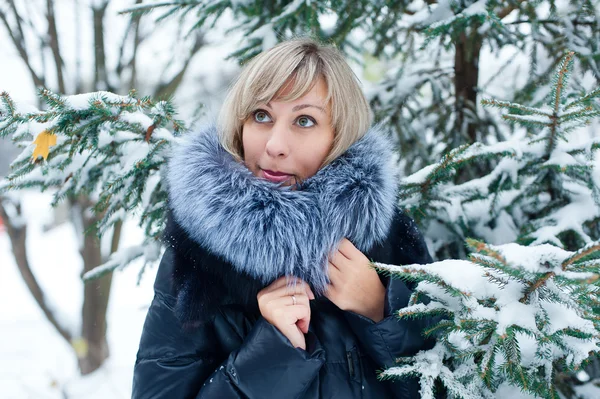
[
  {"x": 515, "y": 315},
  {"x": 105, "y": 146},
  {"x": 540, "y": 188},
  {"x": 525, "y": 312}
]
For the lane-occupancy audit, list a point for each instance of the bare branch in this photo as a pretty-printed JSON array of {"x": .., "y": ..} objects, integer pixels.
[
  {"x": 137, "y": 39},
  {"x": 78, "y": 56},
  {"x": 121, "y": 63},
  {"x": 166, "y": 89},
  {"x": 53, "y": 38},
  {"x": 100, "y": 75},
  {"x": 18, "y": 20},
  {"x": 134, "y": 24},
  {"x": 18, "y": 40},
  {"x": 552, "y": 21},
  {"x": 149, "y": 7},
  {"x": 17, "y": 233}
]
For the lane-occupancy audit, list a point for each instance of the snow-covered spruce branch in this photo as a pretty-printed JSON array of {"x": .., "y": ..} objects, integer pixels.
[
  {"x": 513, "y": 314},
  {"x": 538, "y": 187},
  {"x": 107, "y": 146},
  {"x": 120, "y": 259}
]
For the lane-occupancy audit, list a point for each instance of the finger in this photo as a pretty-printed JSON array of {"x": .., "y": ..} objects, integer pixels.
[
  {"x": 286, "y": 303},
  {"x": 280, "y": 282},
  {"x": 269, "y": 288},
  {"x": 303, "y": 324},
  {"x": 297, "y": 313},
  {"x": 338, "y": 260},
  {"x": 283, "y": 292},
  {"x": 293, "y": 284},
  {"x": 335, "y": 274},
  {"x": 297, "y": 339},
  {"x": 285, "y": 280},
  {"x": 300, "y": 300},
  {"x": 347, "y": 249},
  {"x": 283, "y": 312},
  {"x": 297, "y": 286},
  {"x": 309, "y": 292}
]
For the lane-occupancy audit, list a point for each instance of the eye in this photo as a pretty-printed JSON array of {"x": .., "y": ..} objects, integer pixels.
[
  {"x": 261, "y": 116},
  {"x": 305, "y": 121}
]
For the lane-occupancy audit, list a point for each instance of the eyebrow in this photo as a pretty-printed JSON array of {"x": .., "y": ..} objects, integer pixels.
[{"x": 302, "y": 106}]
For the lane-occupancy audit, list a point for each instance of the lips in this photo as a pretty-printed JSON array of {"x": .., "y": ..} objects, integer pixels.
[
  {"x": 276, "y": 177},
  {"x": 273, "y": 173}
]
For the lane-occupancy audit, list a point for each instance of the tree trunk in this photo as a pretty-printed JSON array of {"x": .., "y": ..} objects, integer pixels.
[
  {"x": 466, "y": 66},
  {"x": 466, "y": 69},
  {"x": 94, "y": 346},
  {"x": 100, "y": 74},
  {"x": 54, "y": 46}
]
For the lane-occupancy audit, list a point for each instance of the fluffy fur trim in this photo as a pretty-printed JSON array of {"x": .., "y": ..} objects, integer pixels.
[{"x": 266, "y": 230}]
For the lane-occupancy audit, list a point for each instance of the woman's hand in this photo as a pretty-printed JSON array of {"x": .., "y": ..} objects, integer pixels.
[
  {"x": 277, "y": 307},
  {"x": 355, "y": 286}
]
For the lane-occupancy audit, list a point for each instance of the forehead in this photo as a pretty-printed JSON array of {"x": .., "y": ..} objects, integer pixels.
[{"x": 294, "y": 92}]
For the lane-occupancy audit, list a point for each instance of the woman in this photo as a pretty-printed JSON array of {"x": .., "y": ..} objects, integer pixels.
[{"x": 265, "y": 289}]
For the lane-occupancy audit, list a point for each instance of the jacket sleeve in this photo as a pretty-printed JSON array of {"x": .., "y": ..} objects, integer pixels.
[
  {"x": 176, "y": 362},
  {"x": 393, "y": 337},
  {"x": 266, "y": 366}
]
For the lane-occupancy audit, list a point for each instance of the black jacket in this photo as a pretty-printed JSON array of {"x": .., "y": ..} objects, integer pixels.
[
  {"x": 240, "y": 355},
  {"x": 230, "y": 234}
]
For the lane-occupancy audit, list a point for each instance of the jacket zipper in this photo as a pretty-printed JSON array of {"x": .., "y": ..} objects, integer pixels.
[{"x": 350, "y": 363}]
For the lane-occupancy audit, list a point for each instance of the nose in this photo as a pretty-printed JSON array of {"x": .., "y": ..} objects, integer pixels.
[{"x": 278, "y": 144}]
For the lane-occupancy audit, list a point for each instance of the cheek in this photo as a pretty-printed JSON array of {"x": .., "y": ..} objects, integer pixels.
[
  {"x": 315, "y": 154},
  {"x": 250, "y": 139},
  {"x": 251, "y": 147}
]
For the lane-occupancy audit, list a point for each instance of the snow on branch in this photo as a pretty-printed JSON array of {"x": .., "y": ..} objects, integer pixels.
[
  {"x": 535, "y": 187},
  {"x": 106, "y": 146},
  {"x": 511, "y": 314}
]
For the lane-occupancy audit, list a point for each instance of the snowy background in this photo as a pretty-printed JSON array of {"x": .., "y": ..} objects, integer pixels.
[{"x": 35, "y": 362}]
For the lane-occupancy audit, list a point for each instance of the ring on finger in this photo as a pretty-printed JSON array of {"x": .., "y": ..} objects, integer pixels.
[{"x": 294, "y": 299}]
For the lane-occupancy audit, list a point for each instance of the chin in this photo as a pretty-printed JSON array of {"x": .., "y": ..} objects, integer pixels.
[{"x": 290, "y": 182}]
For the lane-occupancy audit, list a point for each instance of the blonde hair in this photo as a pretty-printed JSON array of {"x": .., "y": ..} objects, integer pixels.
[{"x": 299, "y": 62}]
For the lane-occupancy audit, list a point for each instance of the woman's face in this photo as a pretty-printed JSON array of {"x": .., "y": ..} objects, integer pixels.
[{"x": 287, "y": 142}]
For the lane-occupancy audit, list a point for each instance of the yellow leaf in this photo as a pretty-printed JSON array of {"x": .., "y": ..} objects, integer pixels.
[{"x": 43, "y": 142}]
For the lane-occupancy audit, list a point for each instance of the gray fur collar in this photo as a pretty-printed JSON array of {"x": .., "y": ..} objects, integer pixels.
[{"x": 267, "y": 231}]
